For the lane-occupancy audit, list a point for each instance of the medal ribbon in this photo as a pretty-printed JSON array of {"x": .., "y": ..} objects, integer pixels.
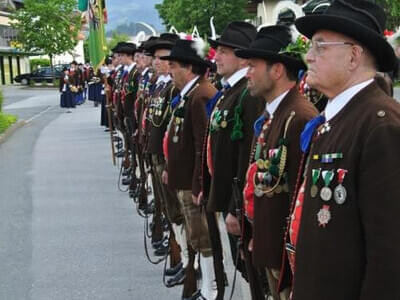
[
  {"x": 213, "y": 101},
  {"x": 328, "y": 176},
  {"x": 308, "y": 132},
  {"x": 315, "y": 175},
  {"x": 341, "y": 175}
]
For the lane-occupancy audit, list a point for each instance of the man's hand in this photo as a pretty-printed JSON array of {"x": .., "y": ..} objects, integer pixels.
[
  {"x": 232, "y": 224},
  {"x": 164, "y": 177},
  {"x": 197, "y": 200}
]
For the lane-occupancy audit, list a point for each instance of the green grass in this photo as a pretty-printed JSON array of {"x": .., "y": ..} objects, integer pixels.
[
  {"x": 6, "y": 120},
  {"x": 396, "y": 83}
]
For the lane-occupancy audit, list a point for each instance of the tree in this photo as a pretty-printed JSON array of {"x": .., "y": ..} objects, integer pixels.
[
  {"x": 116, "y": 38},
  {"x": 392, "y": 9},
  {"x": 185, "y": 14},
  {"x": 47, "y": 26}
]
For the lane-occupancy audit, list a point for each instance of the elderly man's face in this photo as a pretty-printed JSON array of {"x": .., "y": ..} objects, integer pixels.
[
  {"x": 179, "y": 74},
  {"x": 328, "y": 63}
]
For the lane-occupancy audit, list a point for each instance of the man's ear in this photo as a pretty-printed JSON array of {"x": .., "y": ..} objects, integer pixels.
[
  {"x": 277, "y": 70},
  {"x": 356, "y": 56}
]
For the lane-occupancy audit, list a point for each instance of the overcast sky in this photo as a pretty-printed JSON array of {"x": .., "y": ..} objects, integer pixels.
[{"x": 127, "y": 11}]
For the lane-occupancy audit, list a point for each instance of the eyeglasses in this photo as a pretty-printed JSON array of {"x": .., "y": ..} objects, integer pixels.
[{"x": 318, "y": 47}]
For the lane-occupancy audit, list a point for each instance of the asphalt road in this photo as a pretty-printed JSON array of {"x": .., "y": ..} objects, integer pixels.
[{"x": 66, "y": 232}]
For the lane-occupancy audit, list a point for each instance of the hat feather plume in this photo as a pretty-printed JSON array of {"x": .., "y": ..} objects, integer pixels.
[{"x": 200, "y": 46}]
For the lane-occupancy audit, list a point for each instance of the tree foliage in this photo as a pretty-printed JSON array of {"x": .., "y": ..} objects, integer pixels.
[
  {"x": 392, "y": 8},
  {"x": 39, "y": 62},
  {"x": 47, "y": 26},
  {"x": 116, "y": 38},
  {"x": 185, "y": 14}
]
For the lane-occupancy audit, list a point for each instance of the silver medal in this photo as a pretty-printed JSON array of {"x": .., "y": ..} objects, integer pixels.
[
  {"x": 340, "y": 194},
  {"x": 175, "y": 138},
  {"x": 326, "y": 193},
  {"x": 258, "y": 191}
]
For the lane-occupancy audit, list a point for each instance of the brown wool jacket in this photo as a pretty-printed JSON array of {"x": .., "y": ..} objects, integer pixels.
[
  {"x": 143, "y": 97},
  {"x": 128, "y": 106},
  {"x": 270, "y": 213},
  {"x": 184, "y": 157},
  {"x": 357, "y": 254},
  {"x": 230, "y": 158},
  {"x": 158, "y": 124}
]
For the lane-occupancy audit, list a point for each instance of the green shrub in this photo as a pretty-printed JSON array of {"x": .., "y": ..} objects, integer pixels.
[
  {"x": 6, "y": 121},
  {"x": 36, "y": 62}
]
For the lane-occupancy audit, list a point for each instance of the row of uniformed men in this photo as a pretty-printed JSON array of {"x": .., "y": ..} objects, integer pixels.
[{"x": 319, "y": 214}]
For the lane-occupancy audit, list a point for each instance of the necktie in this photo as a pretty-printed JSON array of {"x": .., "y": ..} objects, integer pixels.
[
  {"x": 175, "y": 101},
  {"x": 308, "y": 132},
  {"x": 213, "y": 101},
  {"x": 258, "y": 124}
]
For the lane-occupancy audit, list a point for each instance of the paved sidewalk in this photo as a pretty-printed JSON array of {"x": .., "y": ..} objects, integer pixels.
[{"x": 87, "y": 238}]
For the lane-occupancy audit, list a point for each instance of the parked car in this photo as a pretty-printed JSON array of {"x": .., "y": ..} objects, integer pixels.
[{"x": 40, "y": 75}]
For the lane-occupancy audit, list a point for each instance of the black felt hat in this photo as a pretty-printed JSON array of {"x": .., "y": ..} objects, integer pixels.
[
  {"x": 361, "y": 20},
  {"x": 237, "y": 35},
  {"x": 117, "y": 47},
  {"x": 188, "y": 51},
  {"x": 165, "y": 41},
  {"x": 127, "y": 48},
  {"x": 270, "y": 44}
]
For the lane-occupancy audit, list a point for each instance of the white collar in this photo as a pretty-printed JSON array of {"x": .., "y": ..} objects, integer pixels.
[
  {"x": 273, "y": 106},
  {"x": 163, "y": 78},
  {"x": 336, "y": 104},
  {"x": 188, "y": 86},
  {"x": 130, "y": 67},
  {"x": 145, "y": 71},
  {"x": 235, "y": 78}
]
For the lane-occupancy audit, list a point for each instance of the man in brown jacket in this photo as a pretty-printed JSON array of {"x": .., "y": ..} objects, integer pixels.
[
  {"x": 159, "y": 115},
  {"x": 343, "y": 236},
  {"x": 185, "y": 136},
  {"x": 276, "y": 155},
  {"x": 232, "y": 112}
]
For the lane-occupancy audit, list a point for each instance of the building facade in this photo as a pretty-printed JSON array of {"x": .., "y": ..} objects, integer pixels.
[{"x": 12, "y": 61}]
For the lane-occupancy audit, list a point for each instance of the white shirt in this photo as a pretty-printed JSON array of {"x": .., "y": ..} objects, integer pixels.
[
  {"x": 145, "y": 71},
  {"x": 235, "y": 78},
  {"x": 273, "y": 106},
  {"x": 336, "y": 104},
  {"x": 130, "y": 67},
  {"x": 164, "y": 79},
  {"x": 188, "y": 86}
]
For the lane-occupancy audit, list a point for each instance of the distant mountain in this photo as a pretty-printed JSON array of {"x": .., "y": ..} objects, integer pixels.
[
  {"x": 124, "y": 12},
  {"x": 131, "y": 29}
]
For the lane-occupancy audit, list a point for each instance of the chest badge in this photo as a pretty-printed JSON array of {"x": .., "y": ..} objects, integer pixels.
[{"x": 324, "y": 216}]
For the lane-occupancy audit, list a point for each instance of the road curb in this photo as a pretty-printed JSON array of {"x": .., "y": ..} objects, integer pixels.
[{"x": 6, "y": 134}]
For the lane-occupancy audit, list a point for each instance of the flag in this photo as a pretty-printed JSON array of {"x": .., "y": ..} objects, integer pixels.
[
  {"x": 97, "y": 37},
  {"x": 83, "y": 5}
]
